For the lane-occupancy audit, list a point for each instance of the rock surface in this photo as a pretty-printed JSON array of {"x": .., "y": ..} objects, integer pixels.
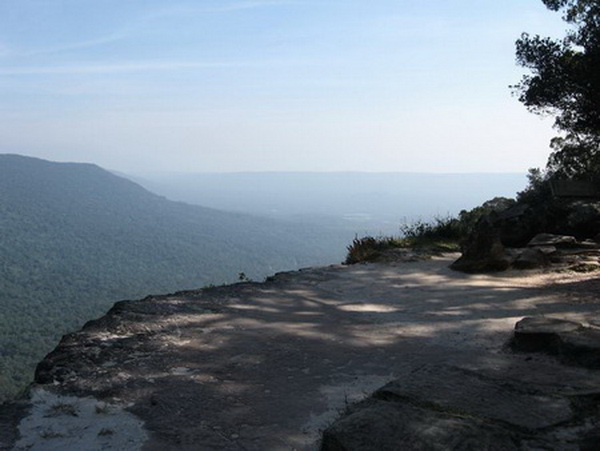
[
  {"x": 270, "y": 366},
  {"x": 507, "y": 238},
  {"x": 532, "y": 258},
  {"x": 570, "y": 341},
  {"x": 484, "y": 252},
  {"x": 549, "y": 239},
  {"x": 527, "y": 406},
  {"x": 447, "y": 407},
  {"x": 559, "y": 216}
]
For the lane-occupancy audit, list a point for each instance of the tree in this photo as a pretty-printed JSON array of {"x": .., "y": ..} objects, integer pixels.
[{"x": 565, "y": 82}]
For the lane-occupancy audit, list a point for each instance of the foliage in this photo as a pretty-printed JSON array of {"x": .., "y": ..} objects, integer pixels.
[
  {"x": 467, "y": 219},
  {"x": 442, "y": 234},
  {"x": 575, "y": 157},
  {"x": 441, "y": 228},
  {"x": 438, "y": 236},
  {"x": 369, "y": 249},
  {"x": 74, "y": 239},
  {"x": 564, "y": 82},
  {"x": 538, "y": 188}
]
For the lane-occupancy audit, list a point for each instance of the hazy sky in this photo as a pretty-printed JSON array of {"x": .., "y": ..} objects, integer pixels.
[{"x": 232, "y": 85}]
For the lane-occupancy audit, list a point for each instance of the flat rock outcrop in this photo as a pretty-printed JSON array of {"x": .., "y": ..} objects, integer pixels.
[
  {"x": 271, "y": 365},
  {"x": 448, "y": 407},
  {"x": 549, "y": 239},
  {"x": 486, "y": 253},
  {"x": 569, "y": 340}
]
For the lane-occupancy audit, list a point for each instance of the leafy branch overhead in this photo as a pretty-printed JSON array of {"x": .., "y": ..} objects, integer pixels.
[{"x": 564, "y": 81}]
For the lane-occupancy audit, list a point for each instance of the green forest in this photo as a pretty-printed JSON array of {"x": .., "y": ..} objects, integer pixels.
[{"x": 74, "y": 239}]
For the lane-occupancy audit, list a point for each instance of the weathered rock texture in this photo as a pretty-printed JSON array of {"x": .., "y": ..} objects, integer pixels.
[
  {"x": 559, "y": 216},
  {"x": 549, "y": 239},
  {"x": 570, "y": 341},
  {"x": 270, "y": 366},
  {"x": 449, "y": 407},
  {"x": 485, "y": 253},
  {"x": 535, "y": 235},
  {"x": 445, "y": 407}
]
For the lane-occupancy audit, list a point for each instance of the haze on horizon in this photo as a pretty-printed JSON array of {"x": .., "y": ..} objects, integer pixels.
[{"x": 270, "y": 85}]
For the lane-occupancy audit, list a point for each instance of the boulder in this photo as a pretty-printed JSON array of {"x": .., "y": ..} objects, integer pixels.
[
  {"x": 515, "y": 225},
  {"x": 549, "y": 239},
  {"x": 547, "y": 250},
  {"x": 531, "y": 258},
  {"x": 583, "y": 218},
  {"x": 589, "y": 244},
  {"x": 484, "y": 252},
  {"x": 570, "y": 341},
  {"x": 444, "y": 407},
  {"x": 560, "y": 216},
  {"x": 386, "y": 426}
]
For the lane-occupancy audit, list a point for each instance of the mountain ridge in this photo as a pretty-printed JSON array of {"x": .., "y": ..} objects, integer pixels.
[
  {"x": 75, "y": 238},
  {"x": 352, "y": 202}
]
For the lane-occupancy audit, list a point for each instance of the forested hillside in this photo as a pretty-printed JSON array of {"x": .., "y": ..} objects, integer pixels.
[{"x": 75, "y": 238}]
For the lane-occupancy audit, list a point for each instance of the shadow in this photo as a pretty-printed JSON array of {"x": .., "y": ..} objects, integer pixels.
[{"x": 269, "y": 365}]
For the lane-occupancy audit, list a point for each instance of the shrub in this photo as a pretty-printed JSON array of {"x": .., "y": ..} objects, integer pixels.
[
  {"x": 441, "y": 228},
  {"x": 368, "y": 248},
  {"x": 442, "y": 234}
]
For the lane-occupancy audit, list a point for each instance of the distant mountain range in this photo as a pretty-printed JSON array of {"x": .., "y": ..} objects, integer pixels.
[
  {"x": 351, "y": 202},
  {"x": 75, "y": 238}
]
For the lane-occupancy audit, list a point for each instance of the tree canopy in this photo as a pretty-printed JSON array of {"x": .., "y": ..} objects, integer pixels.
[{"x": 564, "y": 81}]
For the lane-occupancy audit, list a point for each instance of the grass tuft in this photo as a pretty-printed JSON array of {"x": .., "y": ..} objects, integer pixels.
[{"x": 441, "y": 235}]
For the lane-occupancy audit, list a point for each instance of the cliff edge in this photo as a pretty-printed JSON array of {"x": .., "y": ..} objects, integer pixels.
[{"x": 272, "y": 365}]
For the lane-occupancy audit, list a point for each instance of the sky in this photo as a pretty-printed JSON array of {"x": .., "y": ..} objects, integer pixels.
[{"x": 271, "y": 85}]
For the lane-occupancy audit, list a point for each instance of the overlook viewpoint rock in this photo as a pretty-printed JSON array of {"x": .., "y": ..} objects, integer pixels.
[{"x": 273, "y": 365}]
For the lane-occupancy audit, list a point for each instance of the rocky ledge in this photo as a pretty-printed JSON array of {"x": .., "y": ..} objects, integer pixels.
[
  {"x": 272, "y": 365},
  {"x": 486, "y": 253},
  {"x": 525, "y": 406}
]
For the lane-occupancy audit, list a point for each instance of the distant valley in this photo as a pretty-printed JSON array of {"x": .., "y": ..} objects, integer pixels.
[
  {"x": 75, "y": 238},
  {"x": 353, "y": 203}
]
